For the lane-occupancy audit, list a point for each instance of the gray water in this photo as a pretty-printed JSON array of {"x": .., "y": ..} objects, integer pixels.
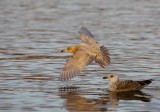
[{"x": 33, "y": 32}]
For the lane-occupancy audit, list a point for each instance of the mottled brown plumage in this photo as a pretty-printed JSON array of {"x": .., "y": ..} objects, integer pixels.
[
  {"x": 128, "y": 85},
  {"x": 84, "y": 53}
]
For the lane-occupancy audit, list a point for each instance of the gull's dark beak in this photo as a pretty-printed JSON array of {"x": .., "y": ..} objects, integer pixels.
[{"x": 105, "y": 77}]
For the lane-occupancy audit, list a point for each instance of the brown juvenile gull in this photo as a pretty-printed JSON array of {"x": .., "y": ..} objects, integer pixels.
[
  {"x": 128, "y": 85},
  {"x": 84, "y": 53}
]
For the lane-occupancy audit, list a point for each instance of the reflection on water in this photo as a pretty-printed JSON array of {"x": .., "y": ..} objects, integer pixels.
[
  {"x": 132, "y": 95},
  {"x": 75, "y": 100},
  {"x": 32, "y": 34}
]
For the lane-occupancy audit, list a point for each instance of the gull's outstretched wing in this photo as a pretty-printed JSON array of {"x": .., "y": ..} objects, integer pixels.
[
  {"x": 75, "y": 65},
  {"x": 103, "y": 57},
  {"x": 86, "y": 36}
]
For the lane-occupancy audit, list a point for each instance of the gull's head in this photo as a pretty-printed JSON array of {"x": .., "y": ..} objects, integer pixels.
[
  {"x": 70, "y": 49},
  {"x": 112, "y": 77}
]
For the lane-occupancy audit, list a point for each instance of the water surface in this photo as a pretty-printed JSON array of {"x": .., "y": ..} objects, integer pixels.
[{"x": 32, "y": 33}]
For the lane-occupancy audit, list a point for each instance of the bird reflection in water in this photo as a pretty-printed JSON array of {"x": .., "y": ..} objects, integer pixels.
[
  {"x": 76, "y": 100},
  {"x": 130, "y": 95}
]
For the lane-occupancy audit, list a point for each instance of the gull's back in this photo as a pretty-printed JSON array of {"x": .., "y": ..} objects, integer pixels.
[{"x": 129, "y": 85}]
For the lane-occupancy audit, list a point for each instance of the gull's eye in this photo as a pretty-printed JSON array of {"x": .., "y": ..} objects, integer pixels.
[{"x": 111, "y": 76}]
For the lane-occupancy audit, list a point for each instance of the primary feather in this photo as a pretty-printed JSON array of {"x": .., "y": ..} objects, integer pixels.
[{"x": 75, "y": 65}]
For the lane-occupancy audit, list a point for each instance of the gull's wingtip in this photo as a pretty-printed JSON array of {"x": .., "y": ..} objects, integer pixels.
[
  {"x": 85, "y": 31},
  {"x": 148, "y": 81}
]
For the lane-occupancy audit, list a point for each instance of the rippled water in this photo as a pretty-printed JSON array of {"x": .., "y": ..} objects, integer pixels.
[{"x": 32, "y": 33}]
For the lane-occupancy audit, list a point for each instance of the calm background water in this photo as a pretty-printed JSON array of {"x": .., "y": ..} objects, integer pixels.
[{"x": 32, "y": 33}]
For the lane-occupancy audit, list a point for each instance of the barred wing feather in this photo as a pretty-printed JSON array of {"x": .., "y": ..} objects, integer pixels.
[
  {"x": 75, "y": 65},
  {"x": 103, "y": 57},
  {"x": 86, "y": 36}
]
